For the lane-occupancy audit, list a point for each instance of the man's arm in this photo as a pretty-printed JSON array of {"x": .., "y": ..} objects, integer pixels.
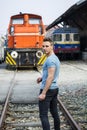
[{"x": 49, "y": 80}]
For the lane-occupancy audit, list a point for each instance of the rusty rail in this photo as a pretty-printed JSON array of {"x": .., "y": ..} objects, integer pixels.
[
  {"x": 6, "y": 102},
  {"x": 70, "y": 119}
]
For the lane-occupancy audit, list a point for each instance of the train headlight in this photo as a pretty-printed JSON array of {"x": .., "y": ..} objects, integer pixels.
[
  {"x": 39, "y": 53},
  {"x": 14, "y": 54}
]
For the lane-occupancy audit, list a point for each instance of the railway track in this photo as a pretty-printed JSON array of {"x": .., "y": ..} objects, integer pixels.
[
  {"x": 5, "y": 105},
  {"x": 74, "y": 94},
  {"x": 76, "y": 104},
  {"x": 25, "y": 116}
]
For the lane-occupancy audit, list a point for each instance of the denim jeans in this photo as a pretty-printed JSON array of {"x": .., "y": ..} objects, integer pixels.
[{"x": 50, "y": 102}]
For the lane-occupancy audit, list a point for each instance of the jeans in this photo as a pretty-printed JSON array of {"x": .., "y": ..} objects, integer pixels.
[{"x": 50, "y": 102}]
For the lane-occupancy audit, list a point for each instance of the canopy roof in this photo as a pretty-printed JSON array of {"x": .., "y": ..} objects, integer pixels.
[{"x": 76, "y": 16}]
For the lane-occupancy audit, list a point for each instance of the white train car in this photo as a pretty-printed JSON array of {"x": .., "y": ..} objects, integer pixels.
[{"x": 2, "y": 55}]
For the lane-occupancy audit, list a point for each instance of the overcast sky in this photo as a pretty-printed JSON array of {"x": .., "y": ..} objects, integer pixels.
[{"x": 48, "y": 9}]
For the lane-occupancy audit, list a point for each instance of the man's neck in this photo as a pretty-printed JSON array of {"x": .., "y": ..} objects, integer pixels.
[{"x": 50, "y": 54}]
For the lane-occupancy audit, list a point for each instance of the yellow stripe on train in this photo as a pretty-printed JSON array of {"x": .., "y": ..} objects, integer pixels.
[
  {"x": 66, "y": 42},
  {"x": 42, "y": 59},
  {"x": 10, "y": 60}
]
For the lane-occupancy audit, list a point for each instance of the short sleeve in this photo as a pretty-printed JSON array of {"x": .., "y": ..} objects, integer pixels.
[{"x": 51, "y": 63}]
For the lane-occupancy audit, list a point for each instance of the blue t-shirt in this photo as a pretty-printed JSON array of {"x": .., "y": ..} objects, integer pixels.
[{"x": 51, "y": 61}]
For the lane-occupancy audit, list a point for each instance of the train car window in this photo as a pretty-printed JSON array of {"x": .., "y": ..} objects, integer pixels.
[
  {"x": 34, "y": 21},
  {"x": 57, "y": 37},
  {"x": 12, "y": 30},
  {"x": 76, "y": 37},
  {"x": 67, "y": 37},
  {"x": 17, "y": 21}
]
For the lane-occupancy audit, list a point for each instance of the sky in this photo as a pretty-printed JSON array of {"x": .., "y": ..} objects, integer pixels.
[{"x": 48, "y": 9}]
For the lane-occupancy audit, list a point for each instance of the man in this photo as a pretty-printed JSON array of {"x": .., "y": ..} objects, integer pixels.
[{"x": 49, "y": 87}]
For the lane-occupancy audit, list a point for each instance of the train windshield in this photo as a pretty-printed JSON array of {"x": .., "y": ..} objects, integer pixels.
[
  {"x": 34, "y": 21},
  {"x": 17, "y": 21}
]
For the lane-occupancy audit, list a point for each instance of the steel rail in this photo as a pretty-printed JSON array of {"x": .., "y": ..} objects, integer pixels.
[
  {"x": 70, "y": 119},
  {"x": 6, "y": 101}
]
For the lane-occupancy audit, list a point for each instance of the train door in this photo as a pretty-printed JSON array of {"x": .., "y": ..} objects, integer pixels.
[{"x": 68, "y": 40}]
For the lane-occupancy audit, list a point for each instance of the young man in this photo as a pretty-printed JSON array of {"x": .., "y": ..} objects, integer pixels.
[{"x": 49, "y": 87}]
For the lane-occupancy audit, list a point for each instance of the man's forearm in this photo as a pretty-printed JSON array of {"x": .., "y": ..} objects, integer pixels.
[{"x": 48, "y": 84}]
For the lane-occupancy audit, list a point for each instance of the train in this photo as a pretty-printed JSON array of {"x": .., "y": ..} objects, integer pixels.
[
  {"x": 24, "y": 40},
  {"x": 1, "y": 53},
  {"x": 66, "y": 40},
  {"x": 2, "y": 49}
]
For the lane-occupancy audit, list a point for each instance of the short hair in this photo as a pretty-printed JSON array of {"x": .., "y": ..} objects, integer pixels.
[{"x": 47, "y": 39}]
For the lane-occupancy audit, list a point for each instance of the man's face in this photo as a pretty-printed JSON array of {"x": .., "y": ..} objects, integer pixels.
[{"x": 47, "y": 47}]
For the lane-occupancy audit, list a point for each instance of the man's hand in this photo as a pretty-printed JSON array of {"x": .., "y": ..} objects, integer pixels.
[
  {"x": 42, "y": 96},
  {"x": 39, "y": 80}
]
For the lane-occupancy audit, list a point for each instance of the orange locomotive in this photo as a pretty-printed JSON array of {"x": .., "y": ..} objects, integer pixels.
[{"x": 25, "y": 37}]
